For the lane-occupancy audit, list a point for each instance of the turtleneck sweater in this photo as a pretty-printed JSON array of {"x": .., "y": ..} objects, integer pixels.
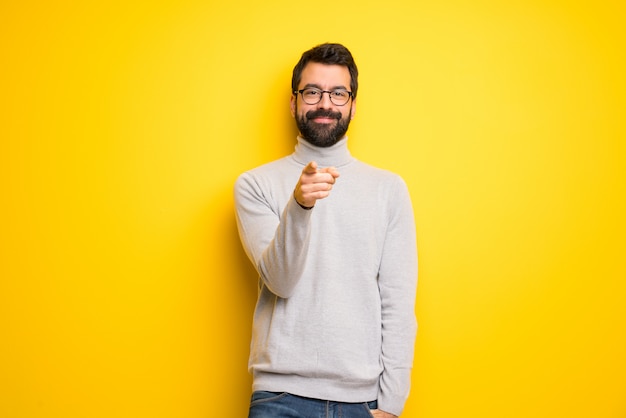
[{"x": 334, "y": 318}]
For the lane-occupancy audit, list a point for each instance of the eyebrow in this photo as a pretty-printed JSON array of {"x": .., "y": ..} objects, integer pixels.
[{"x": 317, "y": 86}]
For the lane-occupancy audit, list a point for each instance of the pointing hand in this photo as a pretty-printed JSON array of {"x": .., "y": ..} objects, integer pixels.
[{"x": 314, "y": 184}]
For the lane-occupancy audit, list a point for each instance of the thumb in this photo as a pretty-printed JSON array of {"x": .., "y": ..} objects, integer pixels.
[{"x": 330, "y": 170}]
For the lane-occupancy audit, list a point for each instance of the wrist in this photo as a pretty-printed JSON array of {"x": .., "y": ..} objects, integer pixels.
[{"x": 300, "y": 204}]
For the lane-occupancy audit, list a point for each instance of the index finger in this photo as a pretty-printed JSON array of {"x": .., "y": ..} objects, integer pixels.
[{"x": 311, "y": 168}]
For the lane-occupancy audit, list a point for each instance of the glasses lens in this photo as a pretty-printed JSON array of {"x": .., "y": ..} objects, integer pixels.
[
  {"x": 311, "y": 96},
  {"x": 339, "y": 97}
]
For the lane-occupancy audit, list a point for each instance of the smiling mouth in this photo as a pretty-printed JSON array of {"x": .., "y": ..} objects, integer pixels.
[{"x": 324, "y": 119}]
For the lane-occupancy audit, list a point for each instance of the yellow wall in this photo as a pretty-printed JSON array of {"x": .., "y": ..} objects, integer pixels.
[{"x": 123, "y": 288}]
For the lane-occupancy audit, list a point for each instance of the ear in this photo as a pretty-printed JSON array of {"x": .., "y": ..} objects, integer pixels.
[
  {"x": 352, "y": 109},
  {"x": 292, "y": 105}
]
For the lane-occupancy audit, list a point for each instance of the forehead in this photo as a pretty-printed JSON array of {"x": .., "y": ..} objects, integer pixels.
[{"x": 325, "y": 76}]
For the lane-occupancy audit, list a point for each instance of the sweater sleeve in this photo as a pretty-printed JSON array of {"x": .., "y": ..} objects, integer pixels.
[
  {"x": 397, "y": 282},
  {"x": 275, "y": 242}
]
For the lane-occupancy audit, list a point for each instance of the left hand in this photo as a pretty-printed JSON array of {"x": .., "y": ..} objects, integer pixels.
[{"x": 377, "y": 413}]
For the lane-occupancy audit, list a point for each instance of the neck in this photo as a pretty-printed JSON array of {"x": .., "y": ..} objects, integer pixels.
[{"x": 335, "y": 156}]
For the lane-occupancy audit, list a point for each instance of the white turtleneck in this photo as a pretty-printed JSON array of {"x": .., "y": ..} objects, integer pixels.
[{"x": 335, "y": 315}]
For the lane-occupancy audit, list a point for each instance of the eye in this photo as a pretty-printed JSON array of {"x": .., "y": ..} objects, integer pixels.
[
  {"x": 312, "y": 93},
  {"x": 339, "y": 94}
]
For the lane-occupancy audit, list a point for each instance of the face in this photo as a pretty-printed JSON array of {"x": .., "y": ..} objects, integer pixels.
[{"x": 323, "y": 124}]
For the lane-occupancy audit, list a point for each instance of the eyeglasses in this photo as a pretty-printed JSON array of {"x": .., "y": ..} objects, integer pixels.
[{"x": 312, "y": 96}]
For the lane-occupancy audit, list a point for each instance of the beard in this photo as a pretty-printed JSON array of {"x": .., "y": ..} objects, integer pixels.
[{"x": 322, "y": 134}]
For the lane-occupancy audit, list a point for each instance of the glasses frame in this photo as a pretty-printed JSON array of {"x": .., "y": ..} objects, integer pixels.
[{"x": 350, "y": 95}]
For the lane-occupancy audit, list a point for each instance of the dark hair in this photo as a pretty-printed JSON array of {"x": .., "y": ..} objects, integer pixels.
[{"x": 329, "y": 54}]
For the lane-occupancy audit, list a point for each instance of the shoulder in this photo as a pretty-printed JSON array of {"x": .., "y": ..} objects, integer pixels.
[{"x": 268, "y": 171}]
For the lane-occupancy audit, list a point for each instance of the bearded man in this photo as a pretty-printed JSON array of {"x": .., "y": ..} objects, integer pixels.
[{"x": 333, "y": 240}]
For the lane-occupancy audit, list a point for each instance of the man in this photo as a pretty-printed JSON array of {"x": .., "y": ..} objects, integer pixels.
[{"x": 333, "y": 240}]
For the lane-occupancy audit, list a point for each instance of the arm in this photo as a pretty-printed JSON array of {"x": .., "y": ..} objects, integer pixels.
[
  {"x": 397, "y": 283},
  {"x": 277, "y": 243}
]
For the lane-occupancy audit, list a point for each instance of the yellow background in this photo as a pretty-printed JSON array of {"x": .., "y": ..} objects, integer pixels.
[{"x": 124, "y": 291}]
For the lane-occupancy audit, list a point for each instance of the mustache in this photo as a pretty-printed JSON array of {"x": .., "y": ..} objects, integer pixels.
[{"x": 322, "y": 113}]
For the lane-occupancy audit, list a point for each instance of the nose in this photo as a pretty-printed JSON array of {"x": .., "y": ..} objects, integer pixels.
[{"x": 325, "y": 102}]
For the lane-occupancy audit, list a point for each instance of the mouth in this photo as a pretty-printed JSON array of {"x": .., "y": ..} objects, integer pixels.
[
  {"x": 323, "y": 117},
  {"x": 324, "y": 120}
]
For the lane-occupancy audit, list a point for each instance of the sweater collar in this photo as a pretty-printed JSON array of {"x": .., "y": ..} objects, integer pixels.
[{"x": 335, "y": 156}]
